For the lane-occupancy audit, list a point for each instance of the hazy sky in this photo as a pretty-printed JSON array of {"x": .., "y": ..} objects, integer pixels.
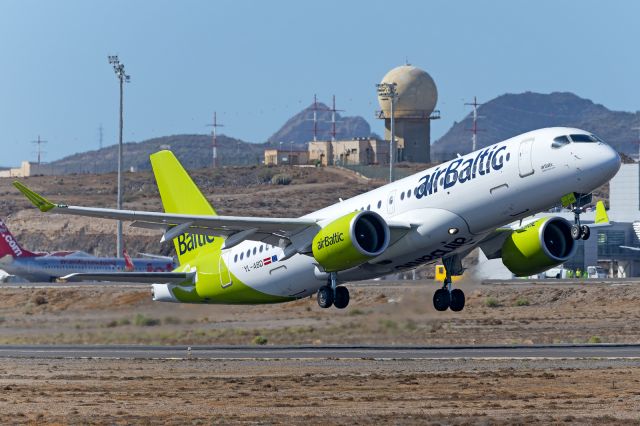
[{"x": 259, "y": 62}]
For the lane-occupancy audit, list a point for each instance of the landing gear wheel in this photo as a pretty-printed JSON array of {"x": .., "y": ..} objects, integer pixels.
[
  {"x": 342, "y": 297},
  {"x": 325, "y": 297},
  {"x": 585, "y": 232},
  {"x": 457, "y": 300},
  {"x": 441, "y": 299},
  {"x": 576, "y": 232}
]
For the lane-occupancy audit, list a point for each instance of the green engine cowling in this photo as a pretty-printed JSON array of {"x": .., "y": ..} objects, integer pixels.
[
  {"x": 350, "y": 241},
  {"x": 538, "y": 246}
]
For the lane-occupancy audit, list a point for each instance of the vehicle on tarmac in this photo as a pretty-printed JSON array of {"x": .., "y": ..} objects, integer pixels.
[
  {"x": 43, "y": 266},
  {"x": 485, "y": 199}
]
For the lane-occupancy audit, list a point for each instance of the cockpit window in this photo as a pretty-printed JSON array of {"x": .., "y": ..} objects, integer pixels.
[
  {"x": 583, "y": 138},
  {"x": 560, "y": 141}
]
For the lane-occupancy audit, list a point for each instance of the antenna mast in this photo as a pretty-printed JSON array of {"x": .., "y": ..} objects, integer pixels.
[
  {"x": 100, "y": 137},
  {"x": 214, "y": 125},
  {"x": 474, "y": 129},
  {"x": 333, "y": 119},
  {"x": 39, "y": 152}
]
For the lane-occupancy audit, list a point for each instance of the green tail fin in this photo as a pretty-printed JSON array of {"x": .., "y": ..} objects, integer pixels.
[{"x": 180, "y": 194}]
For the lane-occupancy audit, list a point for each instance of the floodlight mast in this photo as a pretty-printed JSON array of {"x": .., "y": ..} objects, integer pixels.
[
  {"x": 387, "y": 91},
  {"x": 122, "y": 77}
]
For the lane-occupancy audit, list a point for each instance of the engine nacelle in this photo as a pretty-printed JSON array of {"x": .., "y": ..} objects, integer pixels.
[
  {"x": 350, "y": 241},
  {"x": 538, "y": 246}
]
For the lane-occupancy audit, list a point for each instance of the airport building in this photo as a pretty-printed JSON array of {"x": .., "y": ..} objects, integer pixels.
[
  {"x": 357, "y": 151},
  {"x": 286, "y": 157},
  {"x": 26, "y": 169}
]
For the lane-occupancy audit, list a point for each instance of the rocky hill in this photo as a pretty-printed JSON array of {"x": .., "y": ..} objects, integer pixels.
[
  {"x": 194, "y": 151},
  {"x": 511, "y": 114},
  {"x": 299, "y": 128}
]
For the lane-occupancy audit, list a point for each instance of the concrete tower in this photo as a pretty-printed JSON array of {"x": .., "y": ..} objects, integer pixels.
[{"x": 415, "y": 102}]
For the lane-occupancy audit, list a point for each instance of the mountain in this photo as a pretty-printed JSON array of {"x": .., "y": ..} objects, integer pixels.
[
  {"x": 299, "y": 128},
  {"x": 511, "y": 114},
  {"x": 194, "y": 151}
]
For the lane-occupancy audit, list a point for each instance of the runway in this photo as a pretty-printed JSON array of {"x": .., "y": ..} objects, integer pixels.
[{"x": 606, "y": 351}]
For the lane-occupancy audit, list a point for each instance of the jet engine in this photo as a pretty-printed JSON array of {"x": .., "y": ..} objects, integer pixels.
[
  {"x": 538, "y": 246},
  {"x": 350, "y": 241}
]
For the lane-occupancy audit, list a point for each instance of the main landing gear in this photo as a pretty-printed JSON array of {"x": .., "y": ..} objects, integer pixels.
[
  {"x": 447, "y": 297},
  {"x": 332, "y": 294}
]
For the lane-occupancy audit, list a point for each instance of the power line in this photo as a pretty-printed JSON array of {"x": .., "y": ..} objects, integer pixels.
[
  {"x": 474, "y": 129},
  {"x": 214, "y": 147},
  {"x": 39, "y": 151}
]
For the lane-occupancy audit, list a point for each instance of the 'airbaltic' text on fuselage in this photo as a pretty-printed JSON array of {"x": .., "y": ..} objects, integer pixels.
[{"x": 462, "y": 170}]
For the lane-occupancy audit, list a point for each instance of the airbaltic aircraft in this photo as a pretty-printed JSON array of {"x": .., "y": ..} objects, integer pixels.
[
  {"x": 40, "y": 267},
  {"x": 483, "y": 199}
]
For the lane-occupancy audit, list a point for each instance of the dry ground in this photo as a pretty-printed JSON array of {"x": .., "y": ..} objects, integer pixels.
[
  {"x": 380, "y": 313},
  {"x": 319, "y": 392}
]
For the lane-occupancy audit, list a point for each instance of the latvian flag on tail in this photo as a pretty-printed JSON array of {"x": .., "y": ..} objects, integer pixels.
[{"x": 270, "y": 260}]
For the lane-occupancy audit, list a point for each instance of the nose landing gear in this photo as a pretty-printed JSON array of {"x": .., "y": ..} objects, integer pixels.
[{"x": 577, "y": 202}]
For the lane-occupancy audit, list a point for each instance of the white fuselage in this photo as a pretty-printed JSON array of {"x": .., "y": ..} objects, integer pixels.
[
  {"x": 48, "y": 268},
  {"x": 451, "y": 208}
]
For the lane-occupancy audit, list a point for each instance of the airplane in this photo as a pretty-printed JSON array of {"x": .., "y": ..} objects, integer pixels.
[
  {"x": 631, "y": 248},
  {"x": 485, "y": 199},
  {"x": 42, "y": 266}
]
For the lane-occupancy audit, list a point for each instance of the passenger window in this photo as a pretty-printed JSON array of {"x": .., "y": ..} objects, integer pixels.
[
  {"x": 254, "y": 251},
  {"x": 402, "y": 196},
  {"x": 379, "y": 204},
  {"x": 241, "y": 256},
  {"x": 369, "y": 207},
  {"x": 408, "y": 193},
  {"x": 248, "y": 253},
  {"x": 260, "y": 248},
  {"x": 235, "y": 258},
  {"x": 560, "y": 141}
]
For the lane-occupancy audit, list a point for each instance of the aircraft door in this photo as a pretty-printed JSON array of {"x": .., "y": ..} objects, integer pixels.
[
  {"x": 525, "y": 162},
  {"x": 225, "y": 274},
  {"x": 391, "y": 202}
]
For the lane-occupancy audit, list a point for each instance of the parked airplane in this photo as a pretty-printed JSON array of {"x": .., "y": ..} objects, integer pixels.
[
  {"x": 16, "y": 260},
  {"x": 482, "y": 199}
]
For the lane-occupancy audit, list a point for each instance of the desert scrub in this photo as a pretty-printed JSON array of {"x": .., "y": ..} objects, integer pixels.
[
  {"x": 491, "y": 302},
  {"x": 281, "y": 179},
  {"x": 594, "y": 340},
  {"x": 522, "y": 301},
  {"x": 142, "y": 320},
  {"x": 260, "y": 340}
]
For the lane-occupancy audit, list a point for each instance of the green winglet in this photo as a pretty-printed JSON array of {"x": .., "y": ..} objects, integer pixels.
[
  {"x": 38, "y": 200},
  {"x": 601, "y": 213}
]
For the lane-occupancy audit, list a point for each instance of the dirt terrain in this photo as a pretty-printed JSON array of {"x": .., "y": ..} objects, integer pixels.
[{"x": 322, "y": 391}]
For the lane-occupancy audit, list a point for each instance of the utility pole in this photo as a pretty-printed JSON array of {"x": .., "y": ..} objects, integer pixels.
[
  {"x": 39, "y": 151},
  {"x": 387, "y": 91},
  {"x": 215, "y": 125},
  {"x": 474, "y": 129},
  {"x": 333, "y": 119},
  {"x": 122, "y": 77}
]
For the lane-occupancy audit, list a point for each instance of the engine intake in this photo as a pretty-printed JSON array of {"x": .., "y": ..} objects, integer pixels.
[
  {"x": 350, "y": 241},
  {"x": 538, "y": 246}
]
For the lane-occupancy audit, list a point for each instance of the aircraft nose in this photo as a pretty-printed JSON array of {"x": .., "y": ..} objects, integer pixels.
[{"x": 610, "y": 160}]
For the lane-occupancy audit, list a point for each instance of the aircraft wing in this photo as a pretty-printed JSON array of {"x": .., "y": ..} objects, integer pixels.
[
  {"x": 136, "y": 277},
  {"x": 235, "y": 228},
  {"x": 630, "y": 248}
]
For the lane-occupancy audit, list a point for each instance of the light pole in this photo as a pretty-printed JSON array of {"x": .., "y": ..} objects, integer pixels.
[
  {"x": 387, "y": 91},
  {"x": 118, "y": 68}
]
